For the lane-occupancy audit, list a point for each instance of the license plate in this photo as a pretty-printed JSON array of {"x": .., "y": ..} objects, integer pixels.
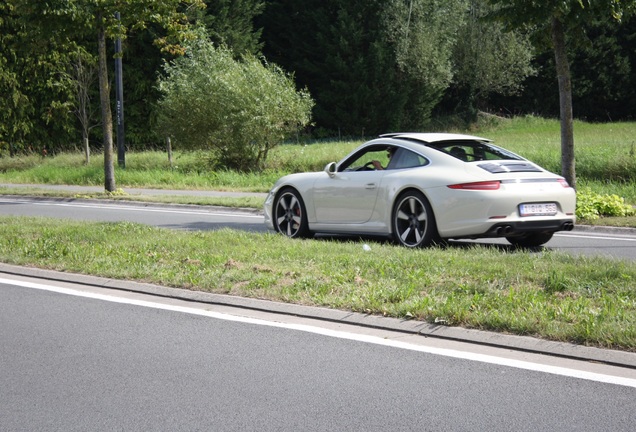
[{"x": 538, "y": 209}]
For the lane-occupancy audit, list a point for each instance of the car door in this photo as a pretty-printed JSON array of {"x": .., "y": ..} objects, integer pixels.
[
  {"x": 346, "y": 198},
  {"x": 349, "y": 195}
]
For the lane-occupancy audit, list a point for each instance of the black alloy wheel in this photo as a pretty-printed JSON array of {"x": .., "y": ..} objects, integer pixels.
[
  {"x": 413, "y": 220},
  {"x": 290, "y": 217}
]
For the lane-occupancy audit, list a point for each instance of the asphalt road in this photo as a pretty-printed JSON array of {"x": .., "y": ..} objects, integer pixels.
[
  {"x": 617, "y": 243},
  {"x": 79, "y": 357},
  {"x": 164, "y": 216}
]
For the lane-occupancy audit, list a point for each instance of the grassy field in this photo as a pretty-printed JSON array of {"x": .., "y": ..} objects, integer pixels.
[{"x": 539, "y": 293}]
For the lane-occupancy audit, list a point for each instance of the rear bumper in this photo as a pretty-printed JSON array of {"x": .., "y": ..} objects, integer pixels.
[{"x": 512, "y": 228}]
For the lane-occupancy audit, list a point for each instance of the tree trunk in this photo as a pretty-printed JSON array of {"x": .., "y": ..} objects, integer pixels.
[
  {"x": 565, "y": 102},
  {"x": 107, "y": 116},
  {"x": 87, "y": 150},
  {"x": 169, "y": 149}
]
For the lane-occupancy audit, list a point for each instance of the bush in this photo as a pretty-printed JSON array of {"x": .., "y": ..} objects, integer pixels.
[
  {"x": 591, "y": 206},
  {"x": 238, "y": 109}
]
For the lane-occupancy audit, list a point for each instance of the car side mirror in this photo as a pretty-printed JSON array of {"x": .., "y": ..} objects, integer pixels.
[{"x": 330, "y": 169}]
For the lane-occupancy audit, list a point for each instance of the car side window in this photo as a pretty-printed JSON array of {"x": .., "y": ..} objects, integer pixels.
[
  {"x": 404, "y": 158},
  {"x": 364, "y": 161}
]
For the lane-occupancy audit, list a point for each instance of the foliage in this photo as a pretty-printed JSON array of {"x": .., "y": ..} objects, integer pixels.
[
  {"x": 488, "y": 59},
  {"x": 591, "y": 205},
  {"x": 373, "y": 66},
  {"x": 422, "y": 37},
  {"x": 63, "y": 23},
  {"x": 34, "y": 102},
  {"x": 603, "y": 80},
  {"x": 361, "y": 60},
  {"x": 238, "y": 109},
  {"x": 562, "y": 21},
  {"x": 573, "y": 13},
  {"x": 231, "y": 23}
]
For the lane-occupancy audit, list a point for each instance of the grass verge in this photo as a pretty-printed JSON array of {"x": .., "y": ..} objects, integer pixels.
[{"x": 542, "y": 293}]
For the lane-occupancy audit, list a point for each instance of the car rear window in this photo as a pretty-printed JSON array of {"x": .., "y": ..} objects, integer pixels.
[{"x": 470, "y": 151}]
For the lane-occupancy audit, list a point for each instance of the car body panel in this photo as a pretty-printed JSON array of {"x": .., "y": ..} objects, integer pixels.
[{"x": 347, "y": 198}]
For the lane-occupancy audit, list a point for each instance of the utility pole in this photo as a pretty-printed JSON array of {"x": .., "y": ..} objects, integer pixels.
[{"x": 119, "y": 90}]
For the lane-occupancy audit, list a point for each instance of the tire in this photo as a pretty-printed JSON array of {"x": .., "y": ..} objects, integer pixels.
[
  {"x": 290, "y": 216},
  {"x": 530, "y": 240},
  {"x": 413, "y": 221}
]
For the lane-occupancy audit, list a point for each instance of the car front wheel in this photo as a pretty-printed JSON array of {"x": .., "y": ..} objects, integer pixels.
[
  {"x": 290, "y": 217},
  {"x": 413, "y": 220}
]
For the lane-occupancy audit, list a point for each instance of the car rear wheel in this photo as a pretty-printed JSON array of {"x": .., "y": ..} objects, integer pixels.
[
  {"x": 290, "y": 217},
  {"x": 530, "y": 239},
  {"x": 413, "y": 220}
]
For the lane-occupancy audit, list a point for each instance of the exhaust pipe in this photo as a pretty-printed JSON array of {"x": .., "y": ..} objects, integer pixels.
[
  {"x": 567, "y": 226},
  {"x": 505, "y": 230}
]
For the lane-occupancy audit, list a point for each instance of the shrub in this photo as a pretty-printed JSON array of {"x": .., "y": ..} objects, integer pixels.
[
  {"x": 591, "y": 206},
  {"x": 238, "y": 109}
]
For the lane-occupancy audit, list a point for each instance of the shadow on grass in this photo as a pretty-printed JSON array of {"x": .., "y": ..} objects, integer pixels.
[{"x": 449, "y": 244}]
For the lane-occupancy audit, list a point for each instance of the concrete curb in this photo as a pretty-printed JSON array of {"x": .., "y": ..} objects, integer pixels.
[
  {"x": 605, "y": 229},
  {"x": 520, "y": 343}
]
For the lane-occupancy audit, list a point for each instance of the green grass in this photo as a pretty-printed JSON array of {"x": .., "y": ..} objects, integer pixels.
[
  {"x": 144, "y": 169},
  {"x": 546, "y": 294},
  {"x": 603, "y": 151}
]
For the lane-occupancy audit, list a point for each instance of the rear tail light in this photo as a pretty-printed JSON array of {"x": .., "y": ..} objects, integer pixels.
[
  {"x": 485, "y": 185},
  {"x": 564, "y": 183}
]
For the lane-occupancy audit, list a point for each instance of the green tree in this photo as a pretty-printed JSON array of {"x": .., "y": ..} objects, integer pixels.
[
  {"x": 603, "y": 63},
  {"x": 14, "y": 109},
  {"x": 422, "y": 34},
  {"x": 81, "y": 76},
  {"x": 142, "y": 61},
  {"x": 560, "y": 22},
  {"x": 239, "y": 109},
  {"x": 373, "y": 66},
  {"x": 231, "y": 23},
  {"x": 488, "y": 59},
  {"x": 604, "y": 71},
  {"x": 33, "y": 106},
  {"x": 77, "y": 19}
]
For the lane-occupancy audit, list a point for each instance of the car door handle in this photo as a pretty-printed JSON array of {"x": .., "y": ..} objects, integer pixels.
[{"x": 369, "y": 186}]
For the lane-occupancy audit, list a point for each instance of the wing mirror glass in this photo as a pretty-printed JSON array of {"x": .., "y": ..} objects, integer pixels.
[{"x": 330, "y": 169}]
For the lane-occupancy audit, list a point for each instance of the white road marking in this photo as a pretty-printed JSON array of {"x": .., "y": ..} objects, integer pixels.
[
  {"x": 596, "y": 237},
  {"x": 555, "y": 370}
]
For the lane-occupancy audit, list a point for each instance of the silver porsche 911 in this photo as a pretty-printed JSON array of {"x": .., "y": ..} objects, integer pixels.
[{"x": 421, "y": 188}]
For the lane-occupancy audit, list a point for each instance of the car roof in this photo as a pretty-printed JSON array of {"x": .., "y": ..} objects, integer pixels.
[{"x": 432, "y": 137}]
